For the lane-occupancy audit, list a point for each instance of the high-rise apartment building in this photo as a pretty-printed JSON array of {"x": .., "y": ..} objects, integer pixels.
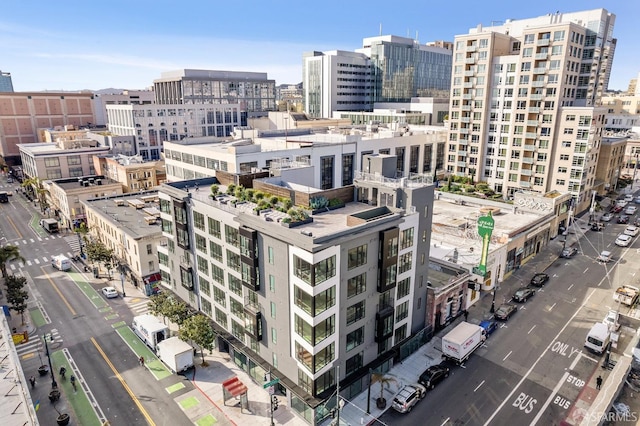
[
  {"x": 253, "y": 91},
  {"x": 6, "y": 85},
  {"x": 386, "y": 69},
  {"x": 522, "y": 102}
]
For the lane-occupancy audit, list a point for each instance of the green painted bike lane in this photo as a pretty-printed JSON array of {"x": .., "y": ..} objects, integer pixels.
[
  {"x": 94, "y": 297},
  {"x": 152, "y": 363},
  {"x": 78, "y": 399}
]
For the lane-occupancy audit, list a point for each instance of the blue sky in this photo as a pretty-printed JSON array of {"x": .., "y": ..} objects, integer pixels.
[{"x": 73, "y": 45}]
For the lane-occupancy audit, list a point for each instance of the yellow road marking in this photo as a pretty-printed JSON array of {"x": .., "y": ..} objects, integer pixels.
[
  {"x": 123, "y": 383},
  {"x": 55, "y": 287},
  {"x": 14, "y": 226},
  {"x": 27, "y": 356}
]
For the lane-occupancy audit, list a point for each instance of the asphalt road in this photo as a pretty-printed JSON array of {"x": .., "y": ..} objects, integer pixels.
[
  {"x": 83, "y": 325},
  {"x": 533, "y": 368}
]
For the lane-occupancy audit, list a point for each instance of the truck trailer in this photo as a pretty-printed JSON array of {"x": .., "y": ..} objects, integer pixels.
[
  {"x": 626, "y": 294},
  {"x": 459, "y": 343},
  {"x": 176, "y": 354},
  {"x": 150, "y": 330}
]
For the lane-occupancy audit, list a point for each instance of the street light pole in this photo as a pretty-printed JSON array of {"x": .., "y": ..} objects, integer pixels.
[
  {"x": 369, "y": 393},
  {"x": 53, "y": 377},
  {"x": 122, "y": 279}
]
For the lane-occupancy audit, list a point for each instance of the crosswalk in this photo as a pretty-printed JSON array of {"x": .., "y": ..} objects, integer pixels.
[
  {"x": 73, "y": 242},
  {"x": 45, "y": 260},
  {"x": 35, "y": 344},
  {"x": 138, "y": 305}
]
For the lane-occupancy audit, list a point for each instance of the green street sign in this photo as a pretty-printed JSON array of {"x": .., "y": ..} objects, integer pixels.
[
  {"x": 485, "y": 228},
  {"x": 271, "y": 383}
]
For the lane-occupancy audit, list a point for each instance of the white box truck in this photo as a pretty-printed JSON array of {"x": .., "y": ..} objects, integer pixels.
[
  {"x": 61, "y": 262},
  {"x": 150, "y": 330},
  {"x": 459, "y": 343},
  {"x": 626, "y": 294},
  {"x": 598, "y": 338},
  {"x": 176, "y": 354}
]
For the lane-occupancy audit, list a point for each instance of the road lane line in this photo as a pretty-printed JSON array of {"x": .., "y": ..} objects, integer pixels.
[
  {"x": 570, "y": 287},
  {"x": 585, "y": 271},
  {"x": 531, "y": 329},
  {"x": 123, "y": 383},
  {"x": 478, "y": 387},
  {"x": 14, "y": 226},
  {"x": 55, "y": 287},
  {"x": 446, "y": 421},
  {"x": 552, "y": 306},
  {"x": 526, "y": 375},
  {"x": 507, "y": 356},
  {"x": 548, "y": 401}
]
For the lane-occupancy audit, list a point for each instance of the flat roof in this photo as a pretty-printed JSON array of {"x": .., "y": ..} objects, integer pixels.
[{"x": 125, "y": 216}]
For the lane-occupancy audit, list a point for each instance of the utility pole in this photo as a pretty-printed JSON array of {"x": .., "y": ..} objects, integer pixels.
[{"x": 336, "y": 422}]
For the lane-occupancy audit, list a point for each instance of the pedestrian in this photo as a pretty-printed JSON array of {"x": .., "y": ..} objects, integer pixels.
[
  {"x": 32, "y": 380},
  {"x": 598, "y": 382},
  {"x": 141, "y": 361},
  {"x": 466, "y": 314}
]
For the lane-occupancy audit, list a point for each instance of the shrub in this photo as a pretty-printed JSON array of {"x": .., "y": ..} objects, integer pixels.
[
  {"x": 215, "y": 189},
  {"x": 318, "y": 203},
  {"x": 231, "y": 189},
  {"x": 335, "y": 202},
  {"x": 260, "y": 195},
  {"x": 273, "y": 200},
  {"x": 250, "y": 193}
]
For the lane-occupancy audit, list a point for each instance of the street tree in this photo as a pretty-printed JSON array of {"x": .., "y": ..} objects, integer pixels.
[
  {"x": 17, "y": 295},
  {"x": 158, "y": 305},
  {"x": 197, "y": 328},
  {"x": 177, "y": 311},
  {"x": 97, "y": 252},
  {"x": 37, "y": 190},
  {"x": 7, "y": 254}
]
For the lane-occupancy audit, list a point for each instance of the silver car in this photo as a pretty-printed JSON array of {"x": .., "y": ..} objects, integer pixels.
[{"x": 408, "y": 396}]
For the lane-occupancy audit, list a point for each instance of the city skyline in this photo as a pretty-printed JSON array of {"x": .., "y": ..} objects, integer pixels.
[{"x": 71, "y": 46}]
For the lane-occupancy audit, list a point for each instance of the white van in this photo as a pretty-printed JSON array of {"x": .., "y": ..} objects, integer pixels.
[
  {"x": 61, "y": 262},
  {"x": 150, "y": 330},
  {"x": 598, "y": 338}
]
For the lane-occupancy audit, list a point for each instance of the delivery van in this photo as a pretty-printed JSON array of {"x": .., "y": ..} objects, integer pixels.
[
  {"x": 61, "y": 262},
  {"x": 150, "y": 330},
  {"x": 598, "y": 339}
]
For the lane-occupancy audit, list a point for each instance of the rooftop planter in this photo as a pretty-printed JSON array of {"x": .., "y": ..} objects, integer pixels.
[
  {"x": 297, "y": 217},
  {"x": 321, "y": 204}
]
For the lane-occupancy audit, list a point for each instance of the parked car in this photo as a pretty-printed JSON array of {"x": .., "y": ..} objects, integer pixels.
[
  {"x": 624, "y": 219},
  {"x": 606, "y": 217},
  {"x": 597, "y": 226},
  {"x": 522, "y": 294},
  {"x": 489, "y": 325},
  {"x": 434, "y": 375},
  {"x": 632, "y": 230},
  {"x": 623, "y": 240},
  {"x": 621, "y": 203},
  {"x": 408, "y": 396},
  {"x": 637, "y": 200},
  {"x": 630, "y": 210},
  {"x": 110, "y": 292},
  {"x": 539, "y": 279},
  {"x": 569, "y": 251},
  {"x": 612, "y": 320},
  {"x": 505, "y": 311},
  {"x": 628, "y": 198},
  {"x": 604, "y": 256}
]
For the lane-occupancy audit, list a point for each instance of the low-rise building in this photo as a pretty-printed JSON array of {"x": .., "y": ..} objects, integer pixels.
[
  {"x": 129, "y": 224},
  {"x": 132, "y": 172}
]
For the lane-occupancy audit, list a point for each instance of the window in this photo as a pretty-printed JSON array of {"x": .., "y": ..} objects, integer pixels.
[
  {"x": 356, "y": 285},
  {"x": 270, "y": 255},
  {"x": 354, "y": 363},
  {"x": 274, "y": 335},
  {"x": 406, "y": 238},
  {"x": 232, "y": 236},
  {"x": 404, "y": 262},
  {"x": 214, "y": 227},
  {"x": 272, "y": 283},
  {"x": 216, "y": 251},
  {"x": 314, "y": 305},
  {"x": 198, "y": 220},
  {"x": 402, "y": 311},
  {"x": 220, "y": 296},
  {"x": 355, "y": 338},
  {"x": 357, "y": 256},
  {"x": 217, "y": 273},
  {"x": 273, "y": 310},
  {"x": 355, "y": 312},
  {"x": 324, "y": 270},
  {"x": 233, "y": 260},
  {"x": 403, "y": 288}
]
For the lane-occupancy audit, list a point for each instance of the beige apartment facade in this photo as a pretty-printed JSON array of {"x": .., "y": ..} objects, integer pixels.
[
  {"x": 62, "y": 159},
  {"x": 611, "y": 165},
  {"x": 22, "y": 114},
  {"x": 512, "y": 87},
  {"x": 132, "y": 172}
]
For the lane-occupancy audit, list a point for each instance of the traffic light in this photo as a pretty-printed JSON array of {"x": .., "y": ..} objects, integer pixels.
[{"x": 274, "y": 403}]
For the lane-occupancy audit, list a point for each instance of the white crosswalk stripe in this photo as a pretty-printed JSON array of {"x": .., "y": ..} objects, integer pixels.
[
  {"x": 35, "y": 343},
  {"x": 141, "y": 307},
  {"x": 73, "y": 242},
  {"x": 36, "y": 261}
]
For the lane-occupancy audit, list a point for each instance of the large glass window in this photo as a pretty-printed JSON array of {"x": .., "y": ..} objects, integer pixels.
[
  {"x": 357, "y": 285},
  {"x": 357, "y": 256},
  {"x": 406, "y": 238},
  {"x": 314, "y": 305},
  {"x": 355, "y": 312},
  {"x": 355, "y": 338}
]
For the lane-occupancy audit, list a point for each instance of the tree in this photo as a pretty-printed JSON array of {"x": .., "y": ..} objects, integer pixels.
[
  {"x": 157, "y": 303},
  {"x": 177, "y": 311},
  {"x": 34, "y": 186},
  {"x": 197, "y": 328},
  {"x": 7, "y": 254},
  {"x": 98, "y": 252},
  {"x": 16, "y": 294},
  {"x": 384, "y": 381}
]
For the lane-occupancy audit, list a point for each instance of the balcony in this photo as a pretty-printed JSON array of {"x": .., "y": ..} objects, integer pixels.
[
  {"x": 467, "y": 96},
  {"x": 461, "y": 164},
  {"x": 462, "y": 153},
  {"x": 543, "y": 42},
  {"x": 530, "y": 135},
  {"x": 525, "y": 184},
  {"x": 528, "y": 147},
  {"x": 472, "y": 48},
  {"x": 465, "y": 107},
  {"x": 533, "y": 123},
  {"x": 463, "y": 142},
  {"x": 464, "y": 131},
  {"x": 469, "y": 60},
  {"x": 253, "y": 319},
  {"x": 539, "y": 70},
  {"x": 384, "y": 317},
  {"x": 525, "y": 172},
  {"x": 465, "y": 119},
  {"x": 542, "y": 55},
  {"x": 527, "y": 160},
  {"x": 469, "y": 73},
  {"x": 467, "y": 84},
  {"x": 535, "y": 110},
  {"x": 537, "y": 83},
  {"x": 536, "y": 96}
]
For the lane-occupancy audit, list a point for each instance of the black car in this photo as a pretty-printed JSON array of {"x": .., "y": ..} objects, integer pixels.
[
  {"x": 539, "y": 279},
  {"x": 623, "y": 219},
  {"x": 523, "y": 293},
  {"x": 433, "y": 375},
  {"x": 505, "y": 311},
  {"x": 569, "y": 252},
  {"x": 597, "y": 226}
]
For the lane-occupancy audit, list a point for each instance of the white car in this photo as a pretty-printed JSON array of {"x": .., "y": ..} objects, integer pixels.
[
  {"x": 110, "y": 292},
  {"x": 630, "y": 210},
  {"x": 628, "y": 198},
  {"x": 631, "y": 231},
  {"x": 604, "y": 257},
  {"x": 606, "y": 217},
  {"x": 621, "y": 203},
  {"x": 623, "y": 240},
  {"x": 611, "y": 320}
]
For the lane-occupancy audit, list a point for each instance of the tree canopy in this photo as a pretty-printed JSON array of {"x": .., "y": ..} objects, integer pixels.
[{"x": 197, "y": 328}]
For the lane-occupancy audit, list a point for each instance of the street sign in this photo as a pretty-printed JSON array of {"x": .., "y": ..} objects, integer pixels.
[
  {"x": 272, "y": 390},
  {"x": 271, "y": 383}
]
